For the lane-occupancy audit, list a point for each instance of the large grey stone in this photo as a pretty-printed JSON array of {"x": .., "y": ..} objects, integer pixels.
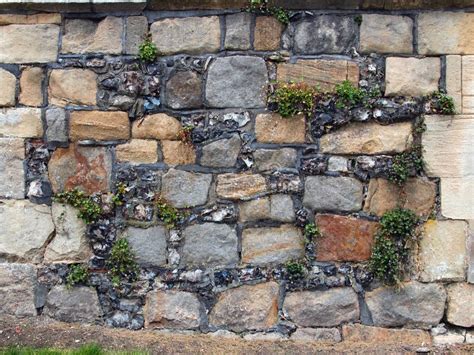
[
  {"x": 274, "y": 159},
  {"x": 149, "y": 245},
  {"x": 183, "y": 189},
  {"x": 281, "y": 208},
  {"x": 322, "y": 308},
  {"x": 78, "y": 304},
  {"x": 21, "y": 122},
  {"x": 239, "y": 81},
  {"x": 184, "y": 90},
  {"x": 222, "y": 153},
  {"x": 276, "y": 207},
  {"x": 209, "y": 244},
  {"x": 17, "y": 290},
  {"x": 333, "y": 193},
  {"x": 328, "y": 34},
  {"x": 461, "y": 304},
  {"x": 136, "y": 29},
  {"x": 12, "y": 174},
  {"x": 56, "y": 125},
  {"x": 412, "y": 305},
  {"x": 237, "y": 34}
]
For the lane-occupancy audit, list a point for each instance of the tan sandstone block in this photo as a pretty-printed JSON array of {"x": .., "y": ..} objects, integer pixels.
[
  {"x": 31, "y": 86},
  {"x": 268, "y": 32},
  {"x": 240, "y": 186},
  {"x": 159, "y": 126},
  {"x": 99, "y": 125},
  {"x": 468, "y": 75},
  {"x": 72, "y": 87},
  {"x": 364, "y": 334},
  {"x": 7, "y": 88},
  {"x": 12, "y": 19},
  {"x": 468, "y": 105},
  {"x": 272, "y": 128},
  {"x": 138, "y": 151},
  {"x": 21, "y": 122},
  {"x": 178, "y": 153},
  {"x": 461, "y": 304},
  {"x": 457, "y": 197},
  {"x": 454, "y": 79}
]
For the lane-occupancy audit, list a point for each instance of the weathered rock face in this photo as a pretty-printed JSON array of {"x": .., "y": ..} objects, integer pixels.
[
  {"x": 29, "y": 225},
  {"x": 178, "y": 153},
  {"x": 221, "y": 153},
  {"x": 184, "y": 90},
  {"x": 237, "y": 35},
  {"x": 99, "y": 125},
  {"x": 239, "y": 81},
  {"x": 321, "y": 335},
  {"x": 322, "y": 308},
  {"x": 173, "y": 309},
  {"x": 158, "y": 126},
  {"x": 240, "y": 186},
  {"x": 8, "y": 89},
  {"x": 149, "y": 245},
  {"x": 21, "y": 122},
  {"x": 209, "y": 244},
  {"x": 272, "y": 128},
  {"x": 274, "y": 159},
  {"x": 136, "y": 31},
  {"x": 41, "y": 18},
  {"x": 30, "y": 86},
  {"x": 261, "y": 246},
  {"x": 461, "y": 304},
  {"x": 414, "y": 305},
  {"x": 365, "y": 334},
  {"x": 247, "y": 307},
  {"x": 138, "y": 151},
  {"x": 183, "y": 189},
  {"x": 17, "y": 289},
  {"x": 268, "y": 32},
  {"x": 72, "y": 87},
  {"x": 78, "y": 304},
  {"x": 56, "y": 125},
  {"x": 11, "y": 168}
]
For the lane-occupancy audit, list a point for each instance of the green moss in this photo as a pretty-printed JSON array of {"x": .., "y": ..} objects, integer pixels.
[
  {"x": 169, "y": 215},
  {"x": 262, "y": 7},
  {"x": 444, "y": 104},
  {"x": 78, "y": 274},
  {"x": 348, "y": 95},
  {"x": 147, "y": 51},
  {"x": 89, "y": 210},
  {"x": 311, "y": 231},
  {"x": 405, "y": 165},
  {"x": 294, "y": 98},
  {"x": 295, "y": 269},
  {"x": 398, "y": 223},
  {"x": 121, "y": 263}
]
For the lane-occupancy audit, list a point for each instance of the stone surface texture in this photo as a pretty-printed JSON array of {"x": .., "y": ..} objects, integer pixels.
[
  {"x": 8, "y": 89},
  {"x": 178, "y": 153},
  {"x": 222, "y": 153},
  {"x": 267, "y": 36},
  {"x": 72, "y": 87},
  {"x": 149, "y": 245},
  {"x": 17, "y": 287},
  {"x": 461, "y": 304},
  {"x": 376, "y": 335},
  {"x": 99, "y": 125},
  {"x": 157, "y": 126},
  {"x": 320, "y": 335},
  {"x": 240, "y": 186},
  {"x": 237, "y": 36},
  {"x": 31, "y": 82},
  {"x": 11, "y": 168},
  {"x": 21, "y": 122},
  {"x": 56, "y": 125},
  {"x": 272, "y": 128},
  {"x": 136, "y": 32},
  {"x": 184, "y": 189},
  {"x": 184, "y": 90},
  {"x": 138, "y": 151}
]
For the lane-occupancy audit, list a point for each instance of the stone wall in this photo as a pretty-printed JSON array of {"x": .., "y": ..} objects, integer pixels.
[{"x": 196, "y": 131}]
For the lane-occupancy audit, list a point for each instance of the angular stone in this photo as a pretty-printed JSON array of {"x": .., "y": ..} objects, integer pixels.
[
  {"x": 17, "y": 290},
  {"x": 454, "y": 79},
  {"x": 333, "y": 193},
  {"x": 368, "y": 138},
  {"x": 8, "y": 88},
  {"x": 159, "y": 126},
  {"x": 29, "y": 43},
  {"x": 240, "y": 186},
  {"x": 281, "y": 208},
  {"x": 320, "y": 335},
  {"x": 86, "y": 168},
  {"x": 344, "y": 238},
  {"x": 237, "y": 36},
  {"x": 70, "y": 244},
  {"x": 26, "y": 229},
  {"x": 190, "y": 35},
  {"x": 72, "y": 87},
  {"x": 272, "y": 128},
  {"x": 99, "y": 125},
  {"x": 238, "y": 81},
  {"x": 249, "y": 307},
  {"x": 329, "y": 34},
  {"x": 457, "y": 200},
  {"x": 322, "y": 308},
  {"x": 149, "y": 245},
  {"x": 184, "y": 90},
  {"x": 31, "y": 83},
  {"x": 78, "y": 304},
  {"x": 173, "y": 309},
  {"x": 208, "y": 245},
  {"x": 336, "y": 163},
  {"x": 135, "y": 34},
  {"x": 138, "y": 151},
  {"x": 56, "y": 125},
  {"x": 44, "y": 18},
  {"x": 21, "y": 122},
  {"x": 412, "y": 305},
  {"x": 262, "y": 246},
  {"x": 178, "y": 153},
  {"x": 448, "y": 338},
  {"x": 268, "y": 32},
  {"x": 359, "y": 333},
  {"x": 12, "y": 174},
  {"x": 274, "y": 159},
  {"x": 183, "y": 189},
  {"x": 88, "y": 36},
  {"x": 276, "y": 207},
  {"x": 322, "y": 73},
  {"x": 437, "y": 262},
  {"x": 386, "y": 34},
  {"x": 461, "y": 304},
  {"x": 222, "y": 153},
  {"x": 445, "y": 33},
  {"x": 411, "y": 76}
]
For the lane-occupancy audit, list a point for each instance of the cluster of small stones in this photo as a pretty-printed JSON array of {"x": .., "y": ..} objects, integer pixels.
[{"x": 79, "y": 110}]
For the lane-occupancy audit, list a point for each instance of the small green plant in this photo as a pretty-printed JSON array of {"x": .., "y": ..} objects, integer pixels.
[
  {"x": 405, "y": 165},
  {"x": 398, "y": 223},
  {"x": 121, "y": 263},
  {"x": 348, "y": 95},
  {"x": 263, "y": 8},
  {"x": 118, "y": 197},
  {"x": 168, "y": 214},
  {"x": 311, "y": 231},
  {"x": 294, "y": 98},
  {"x": 78, "y": 274},
  {"x": 295, "y": 269},
  {"x": 185, "y": 135},
  {"x": 444, "y": 103},
  {"x": 358, "y": 19},
  {"x": 89, "y": 210},
  {"x": 147, "y": 51}
]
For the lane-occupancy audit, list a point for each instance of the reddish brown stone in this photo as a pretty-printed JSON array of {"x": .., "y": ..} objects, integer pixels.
[{"x": 344, "y": 238}]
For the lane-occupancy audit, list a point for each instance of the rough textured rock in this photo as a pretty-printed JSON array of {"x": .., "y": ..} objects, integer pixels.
[
  {"x": 158, "y": 126},
  {"x": 191, "y": 35},
  {"x": 31, "y": 86},
  {"x": 281, "y": 208},
  {"x": 72, "y": 87},
  {"x": 209, "y": 244},
  {"x": 173, "y": 309},
  {"x": 413, "y": 305},
  {"x": 135, "y": 34},
  {"x": 29, "y": 44},
  {"x": 461, "y": 304},
  {"x": 237, "y": 36},
  {"x": 240, "y": 186},
  {"x": 274, "y": 159},
  {"x": 437, "y": 262},
  {"x": 222, "y": 153},
  {"x": 254, "y": 210},
  {"x": 99, "y": 125},
  {"x": 448, "y": 338},
  {"x": 41, "y": 18},
  {"x": 21, "y": 122},
  {"x": 88, "y": 36},
  {"x": 268, "y": 32},
  {"x": 183, "y": 189},
  {"x": 336, "y": 163},
  {"x": 8, "y": 88},
  {"x": 247, "y": 307},
  {"x": 178, "y": 153},
  {"x": 138, "y": 151},
  {"x": 239, "y": 81},
  {"x": 411, "y": 76},
  {"x": 386, "y": 34},
  {"x": 78, "y": 304},
  {"x": 368, "y": 138},
  {"x": 328, "y": 34},
  {"x": 149, "y": 245},
  {"x": 364, "y": 334},
  {"x": 344, "y": 238},
  {"x": 272, "y": 128},
  {"x": 26, "y": 229},
  {"x": 17, "y": 290},
  {"x": 56, "y": 125},
  {"x": 333, "y": 193},
  {"x": 70, "y": 244},
  {"x": 320, "y": 335},
  {"x": 11, "y": 168},
  {"x": 184, "y": 90},
  {"x": 261, "y": 246},
  {"x": 322, "y": 308},
  {"x": 87, "y": 168}
]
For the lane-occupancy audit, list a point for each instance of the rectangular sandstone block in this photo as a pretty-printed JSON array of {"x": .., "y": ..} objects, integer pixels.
[
  {"x": 16, "y": 19},
  {"x": 31, "y": 81},
  {"x": 272, "y": 128},
  {"x": 99, "y": 125},
  {"x": 21, "y": 122},
  {"x": 457, "y": 197},
  {"x": 468, "y": 105},
  {"x": 454, "y": 79},
  {"x": 138, "y": 151},
  {"x": 468, "y": 75}
]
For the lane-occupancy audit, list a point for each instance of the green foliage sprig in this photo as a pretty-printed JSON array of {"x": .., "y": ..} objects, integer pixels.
[
  {"x": 294, "y": 98},
  {"x": 295, "y": 269},
  {"x": 121, "y": 263},
  {"x": 349, "y": 95},
  {"x": 262, "y": 7},
  {"x": 168, "y": 214},
  {"x": 311, "y": 231},
  {"x": 405, "y": 165},
  {"x": 78, "y": 274},
  {"x": 147, "y": 51},
  {"x": 443, "y": 103},
  {"x": 89, "y": 210},
  {"x": 118, "y": 197}
]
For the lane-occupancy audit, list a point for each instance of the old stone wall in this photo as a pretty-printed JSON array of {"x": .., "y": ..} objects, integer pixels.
[{"x": 187, "y": 159}]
